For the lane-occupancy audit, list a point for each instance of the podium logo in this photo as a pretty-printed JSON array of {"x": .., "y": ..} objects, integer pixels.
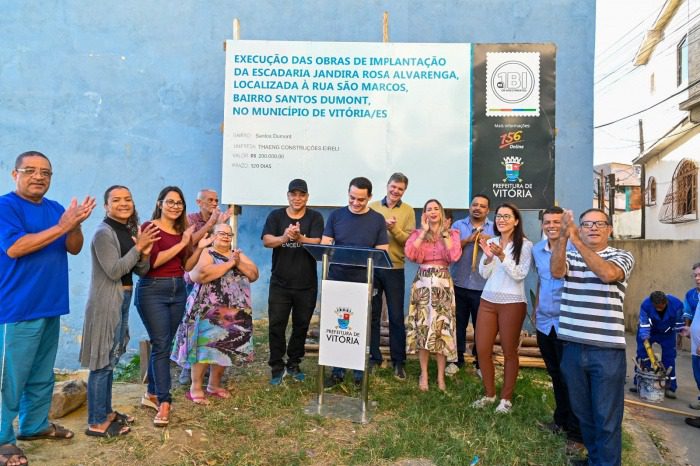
[{"x": 344, "y": 314}]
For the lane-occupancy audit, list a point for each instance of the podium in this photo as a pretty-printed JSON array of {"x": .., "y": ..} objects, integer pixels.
[{"x": 340, "y": 342}]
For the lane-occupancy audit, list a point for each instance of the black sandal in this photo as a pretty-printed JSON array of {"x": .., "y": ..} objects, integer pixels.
[
  {"x": 9, "y": 450},
  {"x": 114, "y": 429},
  {"x": 124, "y": 419}
]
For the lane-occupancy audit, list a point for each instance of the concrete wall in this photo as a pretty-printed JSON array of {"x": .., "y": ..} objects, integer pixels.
[
  {"x": 132, "y": 92},
  {"x": 659, "y": 265}
]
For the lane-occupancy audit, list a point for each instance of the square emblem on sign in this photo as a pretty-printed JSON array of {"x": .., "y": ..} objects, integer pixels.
[{"x": 512, "y": 84}]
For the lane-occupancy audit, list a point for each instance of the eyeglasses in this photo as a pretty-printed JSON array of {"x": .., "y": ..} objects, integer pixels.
[
  {"x": 504, "y": 217},
  {"x": 598, "y": 224},
  {"x": 224, "y": 234},
  {"x": 173, "y": 204},
  {"x": 31, "y": 171}
]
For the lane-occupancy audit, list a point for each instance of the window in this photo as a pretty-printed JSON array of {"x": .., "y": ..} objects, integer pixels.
[
  {"x": 682, "y": 61},
  {"x": 650, "y": 195},
  {"x": 681, "y": 201}
]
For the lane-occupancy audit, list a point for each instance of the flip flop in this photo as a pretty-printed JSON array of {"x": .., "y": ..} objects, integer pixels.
[
  {"x": 162, "y": 421},
  {"x": 114, "y": 429},
  {"x": 8, "y": 450},
  {"x": 147, "y": 401},
  {"x": 124, "y": 419},
  {"x": 219, "y": 393},
  {"x": 54, "y": 432},
  {"x": 198, "y": 400}
]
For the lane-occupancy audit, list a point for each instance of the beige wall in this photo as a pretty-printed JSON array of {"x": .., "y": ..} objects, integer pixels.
[{"x": 659, "y": 265}]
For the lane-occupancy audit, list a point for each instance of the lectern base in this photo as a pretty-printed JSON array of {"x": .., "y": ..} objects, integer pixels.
[{"x": 341, "y": 407}]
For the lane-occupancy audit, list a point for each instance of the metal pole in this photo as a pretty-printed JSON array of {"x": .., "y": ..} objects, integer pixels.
[
  {"x": 320, "y": 376},
  {"x": 365, "y": 374}
]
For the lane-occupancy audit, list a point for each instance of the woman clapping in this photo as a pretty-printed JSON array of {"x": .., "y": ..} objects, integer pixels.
[{"x": 431, "y": 314}]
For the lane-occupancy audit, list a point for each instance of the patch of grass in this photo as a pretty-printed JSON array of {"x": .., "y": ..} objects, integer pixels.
[{"x": 265, "y": 425}]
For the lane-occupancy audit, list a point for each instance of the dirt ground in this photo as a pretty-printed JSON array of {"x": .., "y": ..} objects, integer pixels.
[{"x": 158, "y": 446}]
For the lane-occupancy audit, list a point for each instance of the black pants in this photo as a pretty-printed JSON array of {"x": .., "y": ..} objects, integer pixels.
[
  {"x": 551, "y": 349},
  {"x": 466, "y": 305},
  {"x": 301, "y": 304},
  {"x": 389, "y": 282}
]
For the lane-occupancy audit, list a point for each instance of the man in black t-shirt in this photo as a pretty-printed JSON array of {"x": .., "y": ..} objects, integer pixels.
[{"x": 294, "y": 282}]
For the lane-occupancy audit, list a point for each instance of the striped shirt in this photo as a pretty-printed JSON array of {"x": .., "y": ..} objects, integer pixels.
[{"x": 591, "y": 310}]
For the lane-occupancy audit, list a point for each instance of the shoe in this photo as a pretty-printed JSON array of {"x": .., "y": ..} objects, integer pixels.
[
  {"x": 332, "y": 381},
  {"x": 693, "y": 421},
  {"x": 296, "y": 374},
  {"x": 185, "y": 377},
  {"x": 114, "y": 429},
  {"x": 670, "y": 394},
  {"x": 149, "y": 401},
  {"x": 198, "y": 400},
  {"x": 484, "y": 401},
  {"x": 357, "y": 382},
  {"x": 633, "y": 389},
  {"x": 162, "y": 418},
  {"x": 277, "y": 378},
  {"x": 578, "y": 462},
  {"x": 451, "y": 369},
  {"x": 552, "y": 427},
  {"x": 399, "y": 372},
  {"x": 504, "y": 407},
  {"x": 694, "y": 405},
  {"x": 478, "y": 374}
]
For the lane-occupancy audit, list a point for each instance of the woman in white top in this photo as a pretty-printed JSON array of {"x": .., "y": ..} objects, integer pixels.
[{"x": 505, "y": 264}]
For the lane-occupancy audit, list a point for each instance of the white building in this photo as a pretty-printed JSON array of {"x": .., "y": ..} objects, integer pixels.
[{"x": 670, "y": 131}]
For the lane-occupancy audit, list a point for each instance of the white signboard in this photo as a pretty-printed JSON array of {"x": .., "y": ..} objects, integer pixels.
[
  {"x": 331, "y": 111},
  {"x": 343, "y": 328}
]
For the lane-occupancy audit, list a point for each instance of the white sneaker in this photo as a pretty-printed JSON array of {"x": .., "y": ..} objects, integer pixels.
[
  {"x": 451, "y": 369},
  {"x": 478, "y": 373},
  {"x": 504, "y": 407},
  {"x": 484, "y": 401},
  {"x": 695, "y": 404}
]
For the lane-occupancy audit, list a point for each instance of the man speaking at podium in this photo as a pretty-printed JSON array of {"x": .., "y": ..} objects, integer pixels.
[{"x": 355, "y": 225}]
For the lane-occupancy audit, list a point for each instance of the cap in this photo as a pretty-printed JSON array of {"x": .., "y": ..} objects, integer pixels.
[{"x": 298, "y": 185}]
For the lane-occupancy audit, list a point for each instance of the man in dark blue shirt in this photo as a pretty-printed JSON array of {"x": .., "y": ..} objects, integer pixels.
[{"x": 354, "y": 225}]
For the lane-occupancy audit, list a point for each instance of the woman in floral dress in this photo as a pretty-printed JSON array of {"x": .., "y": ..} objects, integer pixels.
[
  {"x": 431, "y": 313},
  {"x": 217, "y": 329}
]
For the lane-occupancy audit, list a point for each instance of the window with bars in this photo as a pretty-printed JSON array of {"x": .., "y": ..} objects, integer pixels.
[
  {"x": 651, "y": 191},
  {"x": 681, "y": 201}
]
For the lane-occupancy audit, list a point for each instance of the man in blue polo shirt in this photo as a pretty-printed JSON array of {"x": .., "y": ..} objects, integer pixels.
[
  {"x": 35, "y": 234},
  {"x": 354, "y": 225},
  {"x": 468, "y": 283},
  {"x": 547, "y": 322}
]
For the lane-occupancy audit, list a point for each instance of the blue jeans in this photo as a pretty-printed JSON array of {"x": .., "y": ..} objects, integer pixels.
[
  {"x": 595, "y": 379},
  {"x": 99, "y": 386},
  {"x": 392, "y": 283},
  {"x": 161, "y": 305},
  {"x": 27, "y": 353},
  {"x": 696, "y": 370}
]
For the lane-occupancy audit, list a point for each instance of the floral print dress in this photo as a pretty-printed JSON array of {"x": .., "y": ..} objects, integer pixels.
[{"x": 217, "y": 327}]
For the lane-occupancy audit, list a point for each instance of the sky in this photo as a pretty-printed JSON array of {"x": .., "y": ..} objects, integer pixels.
[{"x": 620, "y": 29}]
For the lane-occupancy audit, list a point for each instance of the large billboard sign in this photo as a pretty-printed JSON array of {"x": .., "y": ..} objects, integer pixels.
[{"x": 330, "y": 111}]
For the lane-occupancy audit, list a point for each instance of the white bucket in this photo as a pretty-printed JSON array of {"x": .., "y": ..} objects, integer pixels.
[{"x": 651, "y": 386}]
